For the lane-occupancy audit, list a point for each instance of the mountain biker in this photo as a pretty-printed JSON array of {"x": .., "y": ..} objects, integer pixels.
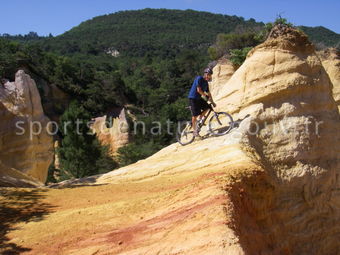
[{"x": 199, "y": 96}]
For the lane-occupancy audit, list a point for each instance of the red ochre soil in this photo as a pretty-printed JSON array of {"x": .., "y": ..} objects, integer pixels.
[{"x": 186, "y": 213}]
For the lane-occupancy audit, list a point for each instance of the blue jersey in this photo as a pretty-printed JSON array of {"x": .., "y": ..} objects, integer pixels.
[{"x": 198, "y": 82}]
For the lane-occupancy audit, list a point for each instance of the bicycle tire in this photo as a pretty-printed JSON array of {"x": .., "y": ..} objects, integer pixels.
[
  {"x": 184, "y": 135},
  {"x": 220, "y": 124}
]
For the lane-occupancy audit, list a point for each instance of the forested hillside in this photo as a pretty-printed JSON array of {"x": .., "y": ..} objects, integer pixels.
[
  {"x": 321, "y": 35},
  {"x": 160, "y": 32}
]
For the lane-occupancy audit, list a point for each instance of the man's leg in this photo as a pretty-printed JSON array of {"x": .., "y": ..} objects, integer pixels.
[
  {"x": 195, "y": 111},
  {"x": 194, "y": 123},
  {"x": 203, "y": 114},
  {"x": 204, "y": 108}
]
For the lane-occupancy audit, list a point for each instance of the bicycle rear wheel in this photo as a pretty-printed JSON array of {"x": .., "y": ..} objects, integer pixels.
[
  {"x": 185, "y": 133},
  {"x": 220, "y": 123}
]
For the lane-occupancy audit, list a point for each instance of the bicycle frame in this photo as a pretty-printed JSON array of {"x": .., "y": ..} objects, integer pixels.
[
  {"x": 206, "y": 116},
  {"x": 188, "y": 132}
]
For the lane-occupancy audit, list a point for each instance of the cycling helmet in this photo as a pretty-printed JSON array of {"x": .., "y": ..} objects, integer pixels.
[{"x": 208, "y": 70}]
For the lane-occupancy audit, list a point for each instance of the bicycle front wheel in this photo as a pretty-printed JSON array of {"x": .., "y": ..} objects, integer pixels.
[
  {"x": 220, "y": 123},
  {"x": 185, "y": 133}
]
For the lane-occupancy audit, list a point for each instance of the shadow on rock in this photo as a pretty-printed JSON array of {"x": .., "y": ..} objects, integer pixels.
[
  {"x": 76, "y": 183},
  {"x": 16, "y": 206}
]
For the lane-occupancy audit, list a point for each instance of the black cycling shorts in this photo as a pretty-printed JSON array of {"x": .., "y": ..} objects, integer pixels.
[{"x": 197, "y": 106}]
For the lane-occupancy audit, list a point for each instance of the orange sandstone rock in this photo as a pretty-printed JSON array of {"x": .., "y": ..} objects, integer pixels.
[{"x": 25, "y": 144}]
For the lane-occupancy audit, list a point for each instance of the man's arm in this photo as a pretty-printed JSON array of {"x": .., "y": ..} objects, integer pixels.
[
  {"x": 200, "y": 91},
  {"x": 205, "y": 95},
  {"x": 211, "y": 99}
]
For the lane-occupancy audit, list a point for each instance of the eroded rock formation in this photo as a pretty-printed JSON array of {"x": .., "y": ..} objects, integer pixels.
[
  {"x": 222, "y": 73},
  {"x": 271, "y": 186},
  {"x": 26, "y": 149},
  {"x": 294, "y": 207},
  {"x": 112, "y": 130},
  {"x": 331, "y": 61}
]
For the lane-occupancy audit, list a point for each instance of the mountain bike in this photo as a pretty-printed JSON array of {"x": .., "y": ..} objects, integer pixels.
[{"x": 220, "y": 123}]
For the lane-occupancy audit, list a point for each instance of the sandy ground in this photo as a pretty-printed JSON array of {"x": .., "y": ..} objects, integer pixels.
[
  {"x": 156, "y": 206},
  {"x": 111, "y": 218}
]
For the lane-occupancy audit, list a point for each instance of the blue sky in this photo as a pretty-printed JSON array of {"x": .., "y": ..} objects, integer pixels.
[{"x": 58, "y": 16}]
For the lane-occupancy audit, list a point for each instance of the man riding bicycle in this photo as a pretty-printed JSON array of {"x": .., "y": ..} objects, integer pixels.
[{"x": 199, "y": 96}]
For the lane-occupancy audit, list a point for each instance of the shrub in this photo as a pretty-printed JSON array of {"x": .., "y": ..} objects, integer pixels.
[{"x": 238, "y": 56}]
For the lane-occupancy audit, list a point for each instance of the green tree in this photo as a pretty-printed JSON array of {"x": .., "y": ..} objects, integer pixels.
[
  {"x": 282, "y": 21},
  {"x": 238, "y": 56},
  {"x": 226, "y": 42},
  {"x": 80, "y": 154}
]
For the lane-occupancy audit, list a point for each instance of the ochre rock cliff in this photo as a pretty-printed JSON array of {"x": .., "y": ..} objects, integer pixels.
[
  {"x": 331, "y": 61},
  {"x": 114, "y": 131},
  {"x": 25, "y": 153},
  {"x": 222, "y": 72},
  {"x": 295, "y": 137},
  {"x": 271, "y": 186}
]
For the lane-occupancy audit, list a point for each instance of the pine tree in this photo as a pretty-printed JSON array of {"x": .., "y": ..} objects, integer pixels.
[{"x": 80, "y": 154}]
